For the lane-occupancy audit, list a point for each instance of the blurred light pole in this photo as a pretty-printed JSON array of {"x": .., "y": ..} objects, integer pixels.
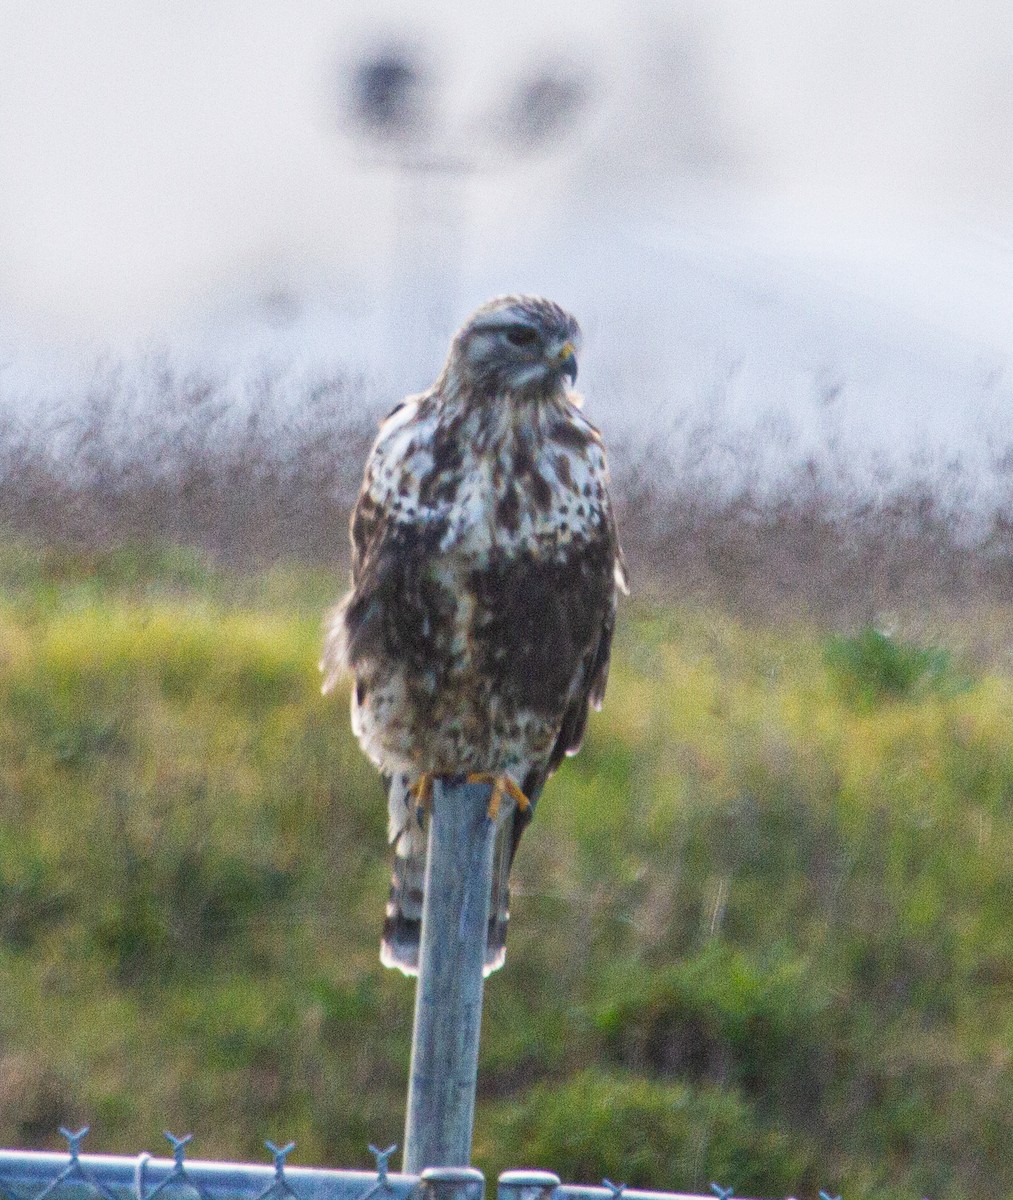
[
  {"x": 388, "y": 99},
  {"x": 391, "y": 107}
]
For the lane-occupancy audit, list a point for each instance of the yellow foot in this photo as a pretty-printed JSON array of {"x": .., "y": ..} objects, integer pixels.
[
  {"x": 421, "y": 792},
  {"x": 502, "y": 785}
]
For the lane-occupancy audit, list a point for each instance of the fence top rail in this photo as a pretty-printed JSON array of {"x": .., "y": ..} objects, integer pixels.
[
  {"x": 118, "y": 1177},
  {"x": 580, "y": 1191}
]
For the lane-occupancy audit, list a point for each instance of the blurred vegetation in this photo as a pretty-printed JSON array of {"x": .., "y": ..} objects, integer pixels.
[
  {"x": 761, "y": 928},
  {"x": 265, "y": 467}
]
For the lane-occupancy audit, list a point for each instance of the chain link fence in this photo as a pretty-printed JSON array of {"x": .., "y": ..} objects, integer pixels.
[{"x": 45, "y": 1175}]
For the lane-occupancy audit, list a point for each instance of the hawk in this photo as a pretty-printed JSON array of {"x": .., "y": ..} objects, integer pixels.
[{"x": 485, "y": 572}]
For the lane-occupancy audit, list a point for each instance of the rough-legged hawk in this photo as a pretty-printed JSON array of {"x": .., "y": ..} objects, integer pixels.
[{"x": 485, "y": 570}]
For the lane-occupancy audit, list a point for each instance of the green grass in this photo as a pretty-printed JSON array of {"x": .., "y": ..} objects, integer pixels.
[{"x": 761, "y": 925}]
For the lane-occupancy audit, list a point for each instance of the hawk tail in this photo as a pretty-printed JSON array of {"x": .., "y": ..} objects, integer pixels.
[{"x": 402, "y": 927}]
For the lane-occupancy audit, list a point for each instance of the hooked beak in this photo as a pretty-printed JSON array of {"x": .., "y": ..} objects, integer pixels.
[{"x": 566, "y": 362}]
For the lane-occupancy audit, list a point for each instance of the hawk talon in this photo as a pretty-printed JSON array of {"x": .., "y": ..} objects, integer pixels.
[
  {"x": 502, "y": 785},
  {"x": 421, "y": 791}
]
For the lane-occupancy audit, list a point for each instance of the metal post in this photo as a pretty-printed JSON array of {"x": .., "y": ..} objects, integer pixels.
[
  {"x": 452, "y": 1183},
  {"x": 448, "y": 999},
  {"x": 527, "y": 1185}
]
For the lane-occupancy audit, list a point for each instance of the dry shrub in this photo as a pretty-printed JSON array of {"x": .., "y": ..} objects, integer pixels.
[
  {"x": 254, "y": 472},
  {"x": 183, "y": 459},
  {"x": 825, "y": 538}
]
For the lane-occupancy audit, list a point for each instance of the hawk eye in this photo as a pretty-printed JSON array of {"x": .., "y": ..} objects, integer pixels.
[{"x": 521, "y": 335}]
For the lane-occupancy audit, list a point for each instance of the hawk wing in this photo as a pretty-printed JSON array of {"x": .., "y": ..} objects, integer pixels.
[
  {"x": 588, "y": 611},
  {"x": 391, "y": 542}
]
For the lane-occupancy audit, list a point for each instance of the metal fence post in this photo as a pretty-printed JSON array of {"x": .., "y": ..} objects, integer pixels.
[
  {"x": 448, "y": 1000},
  {"x": 527, "y": 1185},
  {"x": 452, "y": 1183}
]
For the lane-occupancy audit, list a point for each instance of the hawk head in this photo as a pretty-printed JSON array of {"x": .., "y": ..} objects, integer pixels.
[{"x": 524, "y": 345}]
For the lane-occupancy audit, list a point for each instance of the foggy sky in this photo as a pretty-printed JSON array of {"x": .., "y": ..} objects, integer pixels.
[{"x": 153, "y": 156}]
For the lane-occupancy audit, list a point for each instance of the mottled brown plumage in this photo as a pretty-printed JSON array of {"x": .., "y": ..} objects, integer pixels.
[{"x": 485, "y": 569}]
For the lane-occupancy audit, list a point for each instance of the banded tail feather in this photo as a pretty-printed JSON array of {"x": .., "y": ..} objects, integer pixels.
[{"x": 402, "y": 928}]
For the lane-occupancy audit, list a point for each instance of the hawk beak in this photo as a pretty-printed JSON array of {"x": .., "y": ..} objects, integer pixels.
[{"x": 566, "y": 361}]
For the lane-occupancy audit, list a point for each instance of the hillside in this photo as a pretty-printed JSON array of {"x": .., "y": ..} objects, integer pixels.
[{"x": 761, "y": 929}]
